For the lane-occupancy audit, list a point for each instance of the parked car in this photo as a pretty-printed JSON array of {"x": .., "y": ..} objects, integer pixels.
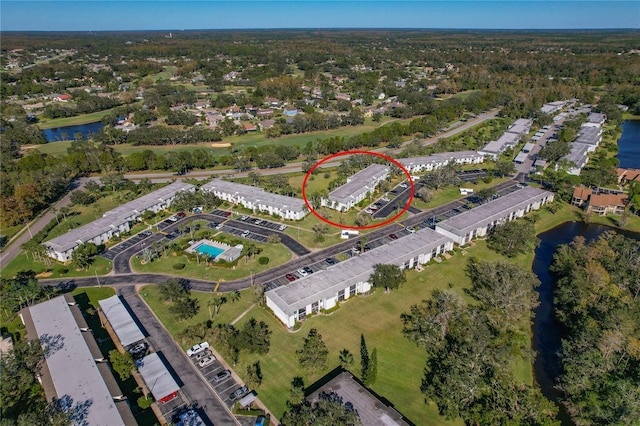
[
  {"x": 181, "y": 214},
  {"x": 146, "y": 233},
  {"x": 282, "y": 227},
  {"x": 208, "y": 360},
  {"x": 330, "y": 260},
  {"x": 223, "y": 375},
  {"x": 410, "y": 229},
  {"x": 197, "y": 348},
  {"x": 393, "y": 236},
  {"x": 238, "y": 393},
  {"x": 403, "y": 185},
  {"x": 244, "y": 217},
  {"x": 302, "y": 272},
  {"x": 290, "y": 277},
  {"x": 385, "y": 199},
  {"x": 259, "y": 221},
  {"x": 308, "y": 270},
  {"x": 202, "y": 354},
  {"x": 219, "y": 226},
  {"x": 226, "y": 214},
  {"x": 173, "y": 219},
  {"x": 245, "y": 233},
  {"x": 140, "y": 347}
]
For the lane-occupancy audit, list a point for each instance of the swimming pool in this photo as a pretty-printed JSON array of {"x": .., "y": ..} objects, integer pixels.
[{"x": 210, "y": 250}]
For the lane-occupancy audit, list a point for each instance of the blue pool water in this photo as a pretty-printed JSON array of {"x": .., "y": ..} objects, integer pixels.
[{"x": 210, "y": 250}]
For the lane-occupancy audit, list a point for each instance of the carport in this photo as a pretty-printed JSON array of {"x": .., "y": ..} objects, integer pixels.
[{"x": 157, "y": 378}]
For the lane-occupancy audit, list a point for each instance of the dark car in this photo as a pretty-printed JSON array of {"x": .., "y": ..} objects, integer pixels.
[
  {"x": 290, "y": 277},
  {"x": 330, "y": 260},
  {"x": 238, "y": 392},
  {"x": 226, "y": 214},
  {"x": 223, "y": 375},
  {"x": 308, "y": 270},
  {"x": 146, "y": 233},
  {"x": 181, "y": 214},
  {"x": 393, "y": 236}
]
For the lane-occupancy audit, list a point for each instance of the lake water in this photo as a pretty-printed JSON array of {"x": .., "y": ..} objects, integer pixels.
[
  {"x": 68, "y": 132},
  {"x": 546, "y": 330},
  {"x": 629, "y": 145}
]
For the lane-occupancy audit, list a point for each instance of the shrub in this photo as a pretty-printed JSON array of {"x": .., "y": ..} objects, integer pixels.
[
  {"x": 64, "y": 271},
  {"x": 178, "y": 266},
  {"x": 263, "y": 260},
  {"x": 145, "y": 402}
]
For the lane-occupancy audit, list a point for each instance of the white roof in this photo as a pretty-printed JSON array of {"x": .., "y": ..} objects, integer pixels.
[
  {"x": 121, "y": 321},
  {"x": 360, "y": 182},
  {"x": 256, "y": 195},
  {"x": 157, "y": 377},
  {"x": 72, "y": 368},
  {"x": 521, "y": 157}
]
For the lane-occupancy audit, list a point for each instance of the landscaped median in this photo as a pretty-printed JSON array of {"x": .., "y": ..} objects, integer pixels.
[{"x": 377, "y": 317}]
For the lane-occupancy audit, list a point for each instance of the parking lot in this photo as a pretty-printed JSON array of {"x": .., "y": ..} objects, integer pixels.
[
  {"x": 223, "y": 387},
  {"x": 116, "y": 250},
  {"x": 472, "y": 175}
]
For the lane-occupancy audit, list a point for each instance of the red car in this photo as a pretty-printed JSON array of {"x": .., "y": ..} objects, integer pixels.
[
  {"x": 226, "y": 214},
  {"x": 290, "y": 277},
  {"x": 393, "y": 236},
  {"x": 181, "y": 214}
]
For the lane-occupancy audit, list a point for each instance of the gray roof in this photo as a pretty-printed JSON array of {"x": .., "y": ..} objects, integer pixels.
[
  {"x": 578, "y": 155},
  {"x": 528, "y": 146},
  {"x": 71, "y": 365},
  {"x": 499, "y": 145},
  {"x": 494, "y": 210},
  {"x": 438, "y": 158},
  {"x": 521, "y": 157},
  {"x": 255, "y": 194},
  {"x": 114, "y": 218},
  {"x": 371, "y": 410},
  {"x": 325, "y": 284},
  {"x": 588, "y": 135},
  {"x": 520, "y": 126},
  {"x": 596, "y": 117},
  {"x": 156, "y": 376},
  {"x": 359, "y": 183},
  {"x": 121, "y": 321}
]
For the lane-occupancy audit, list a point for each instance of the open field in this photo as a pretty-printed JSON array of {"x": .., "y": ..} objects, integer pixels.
[
  {"x": 400, "y": 362},
  {"x": 72, "y": 121}
]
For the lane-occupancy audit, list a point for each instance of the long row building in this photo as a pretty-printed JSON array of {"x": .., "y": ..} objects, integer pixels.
[
  {"x": 255, "y": 198},
  {"x": 324, "y": 289},
  {"x": 588, "y": 139},
  {"x": 509, "y": 139},
  {"x": 113, "y": 222},
  {"x": 357, "y": 188},
  {"x": 437, "y": 161}
]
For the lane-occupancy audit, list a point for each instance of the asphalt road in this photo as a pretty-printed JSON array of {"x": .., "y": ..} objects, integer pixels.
[
  {"x": 35, "y": 226},
  {"x": 193, "y": 388},
  {"x": 127, "y": 279}
]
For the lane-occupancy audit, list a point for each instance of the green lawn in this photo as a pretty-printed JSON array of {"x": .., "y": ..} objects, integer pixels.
[
  {"x": 21, "y": 262},
  {"x": 451, "y": 193},
  {"x": 228, "y": 312},
  {"x": 277, "y": 254},
  {"x": 400, "y": 362}
]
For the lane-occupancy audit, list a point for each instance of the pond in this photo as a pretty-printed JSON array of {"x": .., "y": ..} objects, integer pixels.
[
  {"x": 68, "y": 132},
  {"x": 629, "y": 145},
  {"x": 546, "y": 331}
]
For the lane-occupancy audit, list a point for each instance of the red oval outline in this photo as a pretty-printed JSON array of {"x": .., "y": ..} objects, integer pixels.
[{"x": 341, "y": 154}]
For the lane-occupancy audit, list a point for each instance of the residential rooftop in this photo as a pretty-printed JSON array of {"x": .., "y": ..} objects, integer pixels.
[
  {"x": 493, "y": 210},
  {"x": 157, "y": 377},
  {"x": 439, "y": 158},
  {"x": 360, "y": 182},
  {"x": 325, "y": 284},
  {"x": 71, "y": 370},
  {"x": 256, "y": 195}
]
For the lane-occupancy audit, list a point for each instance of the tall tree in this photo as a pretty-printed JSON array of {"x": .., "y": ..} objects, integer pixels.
[
  {"x": 513, "y": 238},
  {"x": 387, "y": 276},
  {"x": 313, "y": 355},
  {"x": 122, "y": 363}
]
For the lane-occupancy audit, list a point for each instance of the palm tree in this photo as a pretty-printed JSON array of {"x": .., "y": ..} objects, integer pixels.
[
  {"x": 234, "y": 296},
  {"x": 346, "y": 359}
]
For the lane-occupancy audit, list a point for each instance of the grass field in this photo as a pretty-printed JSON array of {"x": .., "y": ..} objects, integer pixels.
[
  {"x": 377, "y": 317},
  {"x": 22, "y": 262},
  {"x": 73, "y": 121}
]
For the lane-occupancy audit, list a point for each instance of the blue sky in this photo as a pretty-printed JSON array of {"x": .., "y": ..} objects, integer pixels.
[{"x": 57, "y": 15}]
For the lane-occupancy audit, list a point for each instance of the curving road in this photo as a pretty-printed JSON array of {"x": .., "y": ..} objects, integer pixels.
[{"x": 127, "y": 278}]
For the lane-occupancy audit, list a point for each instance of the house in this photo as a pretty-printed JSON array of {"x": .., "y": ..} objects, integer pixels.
[
  {"x": 114, "y": 222},
  {"x": 266, "y": 124},
  {"x": 479, "y": 221},
  {"x": 603, "y": 204},
  {"x": 521, "y": 126},
  {"x": 552, "y": 107},
  {"x": 62, "y": 98},
  {"x": 628, "y": 175},
  {"x": 596, "y": 118},
  {"x": 264, "y": 112},
  {"x": 436, "y": 161},
  {"x": 257, "y": 199},
  {"x": 497, "y": 147},
  {"x": 356, "y": 189},
  {"x": 581, "y": 196},
  {"x": 342, "y": 97},
  {"x": 577, "y": 158},
  {"x": 74, "y": 369},
  {"x": 272, "y": 102},
  {"x": 325, "y": 289},
  {"x": 249, "y": 127}
]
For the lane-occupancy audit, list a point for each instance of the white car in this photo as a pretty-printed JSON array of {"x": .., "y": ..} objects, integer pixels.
[
  {"x": 245, "y": 233},
  {"x": 197, "y": 348},
  {"x": 206, "y": 361},
  {"x": 282, "y": 227},
  {"x": 302, "y": 272},
  {"x": 403, "y": 185}
]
